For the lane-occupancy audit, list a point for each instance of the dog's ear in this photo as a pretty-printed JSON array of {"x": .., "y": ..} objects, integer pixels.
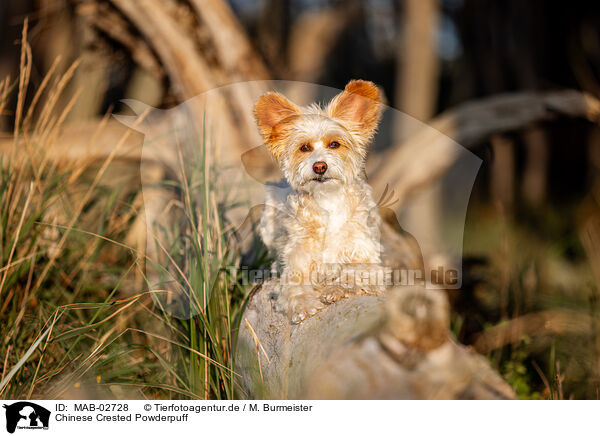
[
  {"x": 358, "y": 107},
  {"x": 274, "y": 114}
]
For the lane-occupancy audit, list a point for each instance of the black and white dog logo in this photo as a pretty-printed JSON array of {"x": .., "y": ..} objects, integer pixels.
[{"x": 26, "y": 415}]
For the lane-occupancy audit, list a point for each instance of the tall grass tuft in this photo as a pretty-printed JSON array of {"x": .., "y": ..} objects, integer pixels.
[
  {"x": 200, "y": 258},
  {"x": 77, "y": 319}
]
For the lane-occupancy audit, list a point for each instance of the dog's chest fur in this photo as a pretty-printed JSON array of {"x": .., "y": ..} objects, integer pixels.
[{"x": 332, "y": 226}]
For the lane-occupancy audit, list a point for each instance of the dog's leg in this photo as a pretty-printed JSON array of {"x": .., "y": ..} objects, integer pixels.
[
  {"x": 333, "y": 289},
  {"x": 301, "y": 287}
]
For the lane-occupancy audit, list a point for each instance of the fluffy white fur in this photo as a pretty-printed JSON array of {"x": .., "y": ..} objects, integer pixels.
[{"x": 322, "y": 227}]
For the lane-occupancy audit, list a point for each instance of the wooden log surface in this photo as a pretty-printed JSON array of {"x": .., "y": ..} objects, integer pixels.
[{"x": 392, "y": 347}]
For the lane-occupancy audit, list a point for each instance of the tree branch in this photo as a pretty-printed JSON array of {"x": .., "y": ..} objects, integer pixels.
[{"x": 423, "y": 158}]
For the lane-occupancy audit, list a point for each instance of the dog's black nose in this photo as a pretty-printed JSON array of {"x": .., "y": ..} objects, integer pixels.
[{"x": 320, "y": 168}]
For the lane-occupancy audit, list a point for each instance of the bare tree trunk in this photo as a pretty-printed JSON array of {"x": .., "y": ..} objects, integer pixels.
[
  {"x": 236, "y": 55},
  {"x": 173, "y": 42},
  {"x": 417, "y": 83},
  {"x": 417, "y": 62},
  {"x": 273, "y": 33},
  {"x": 195, "y": 64},
  {"x": 313, "y": 38},
  {"x": 91, "y": 80},
  {"x": 594, "y": 158},
  {"x": 502, "y": 175},
  {"x": 535, "y": 173}
]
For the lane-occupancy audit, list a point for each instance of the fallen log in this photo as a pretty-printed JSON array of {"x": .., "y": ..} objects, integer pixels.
[
  {"x": 393, "y": 347},
  {"x": 427, "y": 153}
]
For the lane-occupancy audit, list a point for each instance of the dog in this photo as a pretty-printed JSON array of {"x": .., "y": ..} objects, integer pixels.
[{"x": 323, "y": 225}]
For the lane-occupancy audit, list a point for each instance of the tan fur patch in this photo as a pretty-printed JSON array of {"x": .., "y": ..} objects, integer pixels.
[
  {"x": 274, "y": 115},
  {"x": 359, "y": 107}
]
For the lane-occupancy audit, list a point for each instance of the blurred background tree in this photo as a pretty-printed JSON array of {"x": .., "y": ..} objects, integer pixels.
[{"x": 428, "y": 56}]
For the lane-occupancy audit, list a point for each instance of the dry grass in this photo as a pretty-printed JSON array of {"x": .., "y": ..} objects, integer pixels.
[
  {"x": 79, "y": 319},
  {"x": 533, "y": 306}
]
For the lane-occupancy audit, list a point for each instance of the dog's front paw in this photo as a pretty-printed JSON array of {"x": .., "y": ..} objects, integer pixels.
[
  {"x": 303, "y": 307},
  {"x": 333, "y": 293}
]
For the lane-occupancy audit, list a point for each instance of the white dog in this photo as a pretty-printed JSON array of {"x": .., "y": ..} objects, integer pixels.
[{"x": 325, "y": 228}]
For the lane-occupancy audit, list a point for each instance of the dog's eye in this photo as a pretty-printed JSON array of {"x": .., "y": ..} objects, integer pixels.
[
  {"x": 334, "y": 144},
  {"x": 306, "y": 148}
]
